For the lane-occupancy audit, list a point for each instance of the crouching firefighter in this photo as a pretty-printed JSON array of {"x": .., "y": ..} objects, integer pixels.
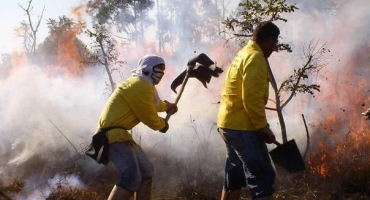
[{"x": 135, "y": 100}]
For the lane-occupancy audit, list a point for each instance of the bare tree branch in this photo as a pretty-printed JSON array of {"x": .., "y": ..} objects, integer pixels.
[{"x": 30, "y": 35}]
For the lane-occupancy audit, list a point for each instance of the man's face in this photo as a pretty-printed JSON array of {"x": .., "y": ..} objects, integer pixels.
[
  {"x": 158, "y": 72},
  {"x": 271, "y": 45}
]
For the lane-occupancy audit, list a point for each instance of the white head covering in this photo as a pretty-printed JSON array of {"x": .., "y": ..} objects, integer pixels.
[{"x": 144, "y": 69}]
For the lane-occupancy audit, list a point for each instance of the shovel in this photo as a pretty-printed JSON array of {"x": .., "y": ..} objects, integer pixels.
[{"x": 287, "y": 155}]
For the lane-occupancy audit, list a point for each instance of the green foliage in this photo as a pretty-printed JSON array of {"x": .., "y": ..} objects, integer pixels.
[
  {"x": 103, "y": 41},
  {"x": 298, "y": 82},
  {"x": 189, "y": 24},
  {"x": 63, "y": 25},
  {"x": 128, "y": 16},
  {"x": 293, "y": 82},
  {"x": 62, "y": 43},
  {"x": 105, "y": 52},
  {"x": 255, "y": 11}
]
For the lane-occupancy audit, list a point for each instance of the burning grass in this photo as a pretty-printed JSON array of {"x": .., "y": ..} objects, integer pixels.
[
  {"x": 196, "y": 184},
  {"x": 336, "y": 169}
]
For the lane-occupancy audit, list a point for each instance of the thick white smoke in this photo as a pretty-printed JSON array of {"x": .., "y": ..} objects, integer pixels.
[{"x": 31, "y": 100}]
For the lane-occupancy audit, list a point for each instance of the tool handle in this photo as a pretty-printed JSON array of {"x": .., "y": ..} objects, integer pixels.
[{"x": 179, "y": 94}]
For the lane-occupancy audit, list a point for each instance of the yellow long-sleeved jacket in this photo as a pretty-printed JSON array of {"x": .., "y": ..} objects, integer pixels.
[
  {"x": 132, "y": 102},
  {"x": 245, "y": 91}
]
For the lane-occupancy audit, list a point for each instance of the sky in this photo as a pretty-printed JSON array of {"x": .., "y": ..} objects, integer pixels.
[{"x": 11, "y": 15}]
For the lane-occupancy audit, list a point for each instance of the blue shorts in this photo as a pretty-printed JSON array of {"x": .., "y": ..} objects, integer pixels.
[
  {"x": 247, "y": 163},
  {"x": 132, "y": 164}
]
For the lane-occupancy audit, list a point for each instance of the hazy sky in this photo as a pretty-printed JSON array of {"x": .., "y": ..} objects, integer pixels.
[{"x": 11, "y": 14}]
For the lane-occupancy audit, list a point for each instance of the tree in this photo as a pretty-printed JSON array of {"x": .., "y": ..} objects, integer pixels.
[
  {"x": 128, "y": 16},
  {"x": 176, "y": 27},
  {"x": 62, "y": 46},
  {"x": 105, "y": 52},
  {"x": 241, "y": 27},
  {"x": 189, "y": 24},
  {"x": 29, "y": 30}
]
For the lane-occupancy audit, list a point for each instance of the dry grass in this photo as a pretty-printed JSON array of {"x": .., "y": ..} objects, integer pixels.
[
  {"x": 300, "y": 186},
  {"x": 196, "y": 176},
  {"x": 75, "y": 194}
]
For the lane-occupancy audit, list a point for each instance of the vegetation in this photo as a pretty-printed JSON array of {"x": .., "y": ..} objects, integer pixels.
[
  {"x": 105, "y": 52},
  {"x": 197, "y": 175},
  {"x": 29, "y": 29},
  {"x": 129, "y": 17}
]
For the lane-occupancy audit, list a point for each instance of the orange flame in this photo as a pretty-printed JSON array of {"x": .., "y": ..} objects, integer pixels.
[
  {"x": 342, "y": 141},
  {"x": 68, "y": 54},
  {"x": 79, "y": 11}
]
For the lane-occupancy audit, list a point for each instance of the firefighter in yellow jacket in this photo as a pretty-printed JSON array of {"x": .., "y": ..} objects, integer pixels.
[
  {"x": 133, "y": 101},
  {"x": 242, "y": 120}
]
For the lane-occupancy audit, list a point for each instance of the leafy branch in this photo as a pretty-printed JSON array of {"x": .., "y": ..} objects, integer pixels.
[
  {"x": 105, "y": 51},
  {"x": 254, "y": 12},
  {"x": 315, "y": 57}
]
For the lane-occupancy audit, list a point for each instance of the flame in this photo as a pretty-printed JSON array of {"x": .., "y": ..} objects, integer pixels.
[
  {"x": 342, "y": 140},
  {"x": 68, "y": 54},
  {"x": 61, "y": 50},
  {"x": 78, "y": 11}
]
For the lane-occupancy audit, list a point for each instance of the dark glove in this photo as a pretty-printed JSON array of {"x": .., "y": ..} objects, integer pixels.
[
  {"x": 164, "y": 130},
  {"x": 267, "y": 135},
  {"x": 171, "y": 108}
]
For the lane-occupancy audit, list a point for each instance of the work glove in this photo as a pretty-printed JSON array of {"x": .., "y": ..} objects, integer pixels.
[
  {"x": 367, "y": 114},
  {"x": 171, "y": 108},
  {"x": 164, "y": 130},
  {"x": 267, "y": 135}
]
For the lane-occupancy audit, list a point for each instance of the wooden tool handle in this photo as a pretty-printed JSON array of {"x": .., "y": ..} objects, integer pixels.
[{"x": 179, "y": 94}]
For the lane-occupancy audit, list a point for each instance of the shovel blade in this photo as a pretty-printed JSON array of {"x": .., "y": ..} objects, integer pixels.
[{"x": 287, "y": 155}]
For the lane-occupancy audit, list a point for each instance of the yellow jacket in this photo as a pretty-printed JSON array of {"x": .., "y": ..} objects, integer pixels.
[
  {"x": 132, "y": 102},
  {"x": 245, "y": 91}
]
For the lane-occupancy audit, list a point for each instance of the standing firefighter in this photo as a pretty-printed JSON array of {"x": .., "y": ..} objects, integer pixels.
[
  {"x": 133, "y": 101},
  {"x": 242, "y": 119}
]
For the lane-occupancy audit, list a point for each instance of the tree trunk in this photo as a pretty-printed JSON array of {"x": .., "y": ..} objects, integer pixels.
[
  {"x": 106, "y": 64},
  {"x": 279, "y": 108}
]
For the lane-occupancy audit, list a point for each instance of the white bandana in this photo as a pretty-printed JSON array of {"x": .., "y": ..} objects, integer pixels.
[{"x": 144, "y": 71}]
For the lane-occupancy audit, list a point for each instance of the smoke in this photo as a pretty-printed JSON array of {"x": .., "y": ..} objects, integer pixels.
[
  {"x": 46, "y": 116},
  {"x": 32, "y": 101},
  {"x": 57, "y": 182},
  {"x": 334, "y": 112}
]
